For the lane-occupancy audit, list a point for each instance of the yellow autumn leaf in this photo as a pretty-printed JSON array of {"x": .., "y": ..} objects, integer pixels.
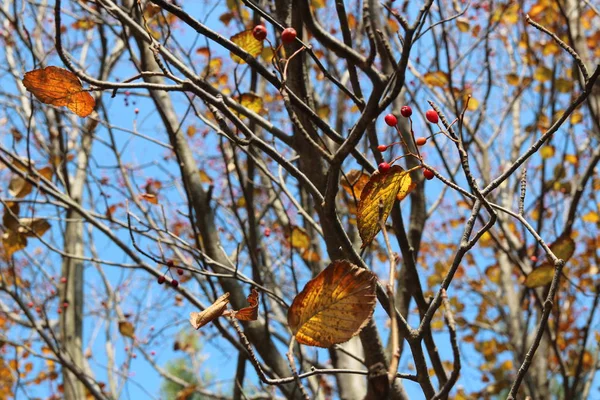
[
  {"x": 564, "y": 85},
  {"x": 310, "y": 256},
  {"x": 591, "y": 217},
  {"x": 436, "y": 79},
  {"x": 571, "y": 159},
  {"x": 334, "y": 306},
  {"x": 252, "y": 102},
  {"x": 563, "y": 247},
  {"x": 512, "y": 79},
  {"x": 268, "y": 54},
  {"x": 462, "y": 24},
  {"x": 381, "y": 188},
  {"x": 541, "y": 276},
  {"x": 127, "y": 329},
  {"x": 323, "y": 111},
  {"x": 547, "y": 152},
  {"x": 576, "y": 117},
  {"x": 59, "y": 87},
  {"x": 299, "y": 239},
  {"x": 248, "y": 43},
  {"x": 542, "y": 74},
  {"x": 33, "y": 227}
]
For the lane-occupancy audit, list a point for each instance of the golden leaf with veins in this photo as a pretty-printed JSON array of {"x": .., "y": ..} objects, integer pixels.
[
  {"x": 248, "y": 43},
  {"x": 59, "y": 87},
  {"x": 334, "y": 306},
  {"x": 386, "y": 187}
]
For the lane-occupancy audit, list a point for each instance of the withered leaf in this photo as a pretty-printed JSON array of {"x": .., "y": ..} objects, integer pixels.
[
  {"x": 249, "y": 313},
  {"x": 59, "y": 87},
  {"x": 215, "y": 310},
  {"x": 334, "y": 306}
]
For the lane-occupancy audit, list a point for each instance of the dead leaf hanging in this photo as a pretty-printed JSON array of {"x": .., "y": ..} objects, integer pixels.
[
  {"x": 215, "y": 310},
  {"x": 249, "y": 313},
  {"x": 59, "y": 87},
  {"x": 334, "y": 306}
]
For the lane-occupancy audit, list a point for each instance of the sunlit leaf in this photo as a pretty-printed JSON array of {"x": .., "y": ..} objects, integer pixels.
[
  {"x": 299, "y": 238},
  {"x": 564, "y": 85},
  {"x": 249, "y": 313},
  {"x": 380, "y": 188},
  {"x": 591, "y": 217},
  {"x": 268, "y": 54},
  {"x": 252, "y": 102},
  {"x": 150, "y": 198},
  {"x": 541, "y": 276},
  {"x": 310, "y": 255},
  {"x": 512, "y": 79},
  {"x": 127, "y": 329},
  {"x": 59, "y": 87},
  {"x": 542, "y": 74},
  {"x": 547, "y": 152},
  {"x": 84, "y": 24},
  {"x": 354, "y": 182},
  {"x": 576, "y": 117},
  {"x": 334, "y": 306},
  {"x": 215, "y": 310},
  {"x": 436, "y": 79},
  {"x": 563, "y": 247},
  {"x": 462, "y": 24},
  {"x": 248, "y": 43}
]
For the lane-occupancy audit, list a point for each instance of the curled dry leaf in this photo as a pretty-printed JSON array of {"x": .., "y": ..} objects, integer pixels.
[
  {"x": 248, "y": 43},
  {"x": 386, "y": 187},
  {"x": 150, "y": 198},
  {"x": 249, "y": 313},
  {"x": 19, "y": 187},
  {"x": 127, "y": 329},
  {"x": 334, "y": 306},
  {"x": 215, "y": 310},
  {"x": 59, "y": 87}
]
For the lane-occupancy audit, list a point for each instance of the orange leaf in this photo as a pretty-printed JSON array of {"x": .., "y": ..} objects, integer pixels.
[
  {"x": 381, "y": 187},
  {"x": 59, "y": 87},
  {"x": 248, "y": 43},
  {"x": 334, "y": 306},
  {"x": 199, "y": 319},
  {"x": 127, "y": 329},
  {"x": 354, "y": 182},
  {"x": 150, "y": 198},
  {"x": 247, "y": 313},
  {"x": 299, "y": 238}
]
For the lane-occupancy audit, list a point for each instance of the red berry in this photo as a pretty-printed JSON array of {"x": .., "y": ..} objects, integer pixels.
[
  {"x": 174, "y": 283},
  {"x": 259, "y": 32},
  {"x": 391, "y": 119},
  {"x": 420, "y": 141},
  {"x": 170, "y": 264},
  {"x": 137, "y": 111},
  {"x": 65, "y": 304},
  {"x": 63, "y": 280},
  {"x": 428, "y": 174},
  {"x": 267, "y": 232},
  {"x": 30, "y": 304},
  {"x": 179, "y": 271},
  {"x": 406, "y": 111},
  {"x": 152, "y": 353},
  {"x": 384, "y": 167},
  {"x": 381, "y": 148},
  {"x": 533, "y": 259},
  {"x": 59, "y": 311},
  {"x": 432, "y": 116},
  {"x": 288, "y": 35},
  {"x": 161, "y": 279}
]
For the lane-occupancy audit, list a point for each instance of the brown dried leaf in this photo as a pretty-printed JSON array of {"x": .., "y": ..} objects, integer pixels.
[
  {"x": 249, "y": 313},
  {"x": 127, "y": 329},
  {"x": 334, "y": 306},
  {"x": 541, "y": 276},
  {"x": 199, "y": 319},
  {"x": 59, "y": 87},
  {"x": 385, "y": 188}
]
